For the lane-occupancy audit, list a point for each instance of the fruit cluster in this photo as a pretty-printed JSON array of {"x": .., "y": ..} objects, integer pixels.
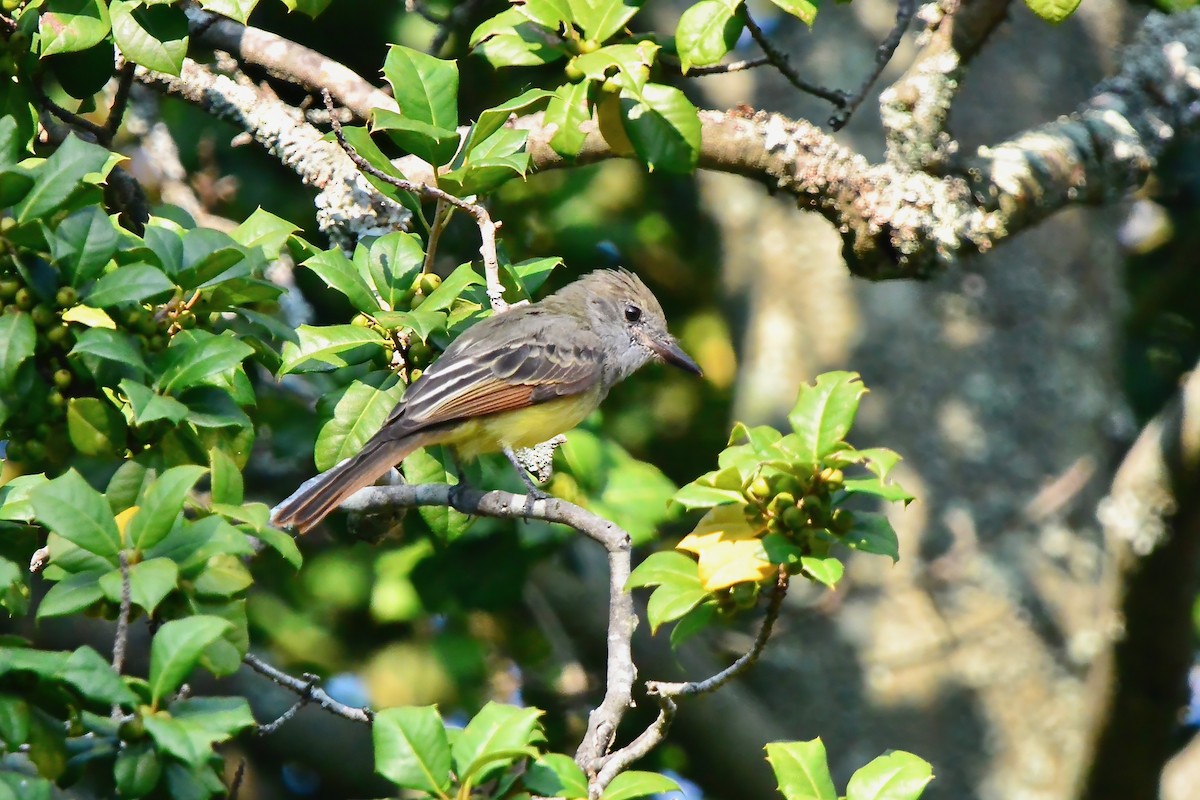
[
  {"x": 415, "y": 355},
  {"x": 799, "y": 505}
]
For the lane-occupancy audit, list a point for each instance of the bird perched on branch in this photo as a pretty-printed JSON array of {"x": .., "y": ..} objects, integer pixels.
[{"x": 510, "y": 382}]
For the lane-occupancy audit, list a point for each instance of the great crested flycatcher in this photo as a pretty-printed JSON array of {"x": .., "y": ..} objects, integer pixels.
[{"x": 511, "y": 381}]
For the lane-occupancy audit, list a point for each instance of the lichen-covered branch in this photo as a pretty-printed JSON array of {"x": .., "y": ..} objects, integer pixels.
[
  {"x": 914, "y": 109},
  {"x": 1152, "y": 521},
  {"x": 348, "y": 207}
]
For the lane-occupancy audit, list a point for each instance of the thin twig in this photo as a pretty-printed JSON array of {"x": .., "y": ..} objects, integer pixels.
[
  {"x": 459, "y": 14},
  {"x": 70, "y": 117},
  {"x": 236, "y": 785},
  {"x": 121, "y": 640},
  {"x": 780, "y": 61},
  {"x": 665, "y": 693},
  {"x": 905, "y": 11},
  {"x": 441, "y": 218},
  {"x": 120, "y": 99},
  {"x": 733, "y": 66},
  {"x": 487, "y": 226},
  {"x": 306, "y": 687}
]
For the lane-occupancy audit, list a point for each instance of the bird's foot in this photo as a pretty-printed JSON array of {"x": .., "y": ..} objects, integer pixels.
[{"x": 533, "y": 493}]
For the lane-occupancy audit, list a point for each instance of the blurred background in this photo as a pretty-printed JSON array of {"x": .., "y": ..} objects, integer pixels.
[{"x": 1012, "y": 386}]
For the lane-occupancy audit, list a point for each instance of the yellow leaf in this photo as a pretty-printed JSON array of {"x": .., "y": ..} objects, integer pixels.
[
  {"x": 729, "y": 548},
  {"x": 91, "y": 317},
  {"x": 122, "y": 520},
  {"x": 727, "y": 563}
]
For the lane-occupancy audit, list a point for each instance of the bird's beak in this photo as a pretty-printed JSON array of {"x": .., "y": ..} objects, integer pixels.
[{"x": 669, "y": 351}]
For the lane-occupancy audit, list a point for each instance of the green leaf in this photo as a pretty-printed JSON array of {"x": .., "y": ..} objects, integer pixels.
[
  {"x": 425, "y": 88},
  {"x": 359, "y": 139},
  {"x": 895, "y": 776},
  {"x": 663, "y": 126},
  {"x": 824, "y": 413},
  {"x": 801, "y": 770},
  {"x": 803, "y": 10},
  {"x": 208, "y": 259},
  {"x": 111, "y": 345},
  {"x": 567, "y": 111},
  {"x": 635, "y": 783},
  {"x": 529, "y": 275},
  {"x": 161, "y": 505},
  {"x": 93, "y": 677},
  {"x": 495, "y": 730},
  {"x": 891, "y": 492},
  {"x": 632, "y": 61},
  {"x": 154, "y": 36},
  {"x": 493, "y": 162},
  {"x": 234, "y": 9},
  {"x": 872, "y": 533},
  {"x": 509, "y": 39},
  {"x": 129, "y": 284},
  {"x": 83, "y": 243},
  {"x": 126, "y": 485},
  {"x": 149, "y": 406},
  {"x": 393, "y": 261},
  {"x": 692, "y": 623},
  {"x": 262, "y": 229},
  {"x": 310, "y": 8},
  {"x": 697, "y": 495},
  {"x": 193, "y": 726},
  {"x": 556, "y": 775},
  {"x": 61, "y": 174},
  {"x": 429, "y": 143},
  {"x": 78, "y": 513},
  {"x": 411, "y": 749},
  {"x": 493, "y": 119},
  {"x": 823, "y": 570},
  {"x": 196, "y": 355},
  {"x": 358, "y": 415},
  {"x": 14, "y": 721},
  {"x": 663, "y": 567},
  {"x": 453, "y": 286},
  {"x": 1054, "y": 11},
  {"x": 137, "y": 770},
  {"x": 149, "y": 582},
  {"x": 428, "y": 465},
  {"x": 226, "y": 478},
  {"x": 600, "y": 19},
  {"x": 670, "y": 601},
  {"x": 549, "y": 14},
  {"x": 96, "y": 428},
  {"x": 329, "y": 347},
  {"x": 706, "y": 32},
  {"x": 344, "y": 275},
  {"x": 18, "y": 338},
  {"x": 224, "y": 576},
  {"x": 67, "y": 26},
  {"x": 283, "y": 544},
  {"x": 71, "y": 595},
  {"x": 176, "y": 648},
  {"x": 423, "y": 323}
]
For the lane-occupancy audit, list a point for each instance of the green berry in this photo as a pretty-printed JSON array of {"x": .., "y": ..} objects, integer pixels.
[
  {"x": 43, "y": 316},
  {"x": 760, "y": 489},
  {"x": 24, "y": 299},
  {"x": 430, "y": 282},
  {"x": 794, "y": 519},
  {"x": 8, "y": 288},
  {"x": 63, "y": 378},
  {"x": 66, "y": 297},
  {"x": 59, "y": 336},
  {"x": 187, "y": 321},
  {"x": 361, "y": 321},
  {"x": 55, "y": 399},
  {"x": 35, "y": 450},
  {"x": 415, "y": 375}
]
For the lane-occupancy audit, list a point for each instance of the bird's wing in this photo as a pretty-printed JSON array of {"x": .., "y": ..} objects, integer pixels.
[{"x": 502, "y": 368}]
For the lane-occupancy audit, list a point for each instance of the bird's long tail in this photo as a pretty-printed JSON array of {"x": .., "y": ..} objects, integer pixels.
[{"x": 318, "y": 497}]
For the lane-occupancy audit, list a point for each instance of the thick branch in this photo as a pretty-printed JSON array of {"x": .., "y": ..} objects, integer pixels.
[
  {"x": 1152, "y": 521},
  {"x": 914, "y": 108},
  {"x": 287, "y": 60}
]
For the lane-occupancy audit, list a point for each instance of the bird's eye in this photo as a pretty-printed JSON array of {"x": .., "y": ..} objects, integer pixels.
[{"x": 632, "y": 313}]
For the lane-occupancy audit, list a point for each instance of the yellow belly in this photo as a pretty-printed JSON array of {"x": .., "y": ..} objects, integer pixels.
[{"x": 524, "y": 428}]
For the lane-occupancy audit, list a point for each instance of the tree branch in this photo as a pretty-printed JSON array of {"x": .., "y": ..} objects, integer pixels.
[
  {"x": 487, "y": 226},
  {"x": 666, "y": 692},
  {"x": 308, "y": 691},
  {"x": 1151, "y": 519},
  {"x": 905, "y": 11},
  {"x": 914, "y": 109}
]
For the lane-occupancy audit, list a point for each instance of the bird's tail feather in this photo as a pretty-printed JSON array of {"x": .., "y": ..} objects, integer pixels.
[{"x": 318, "y": 497}]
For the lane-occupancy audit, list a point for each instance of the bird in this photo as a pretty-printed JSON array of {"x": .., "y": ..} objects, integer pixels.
[{"x": 514, "y": 380}]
